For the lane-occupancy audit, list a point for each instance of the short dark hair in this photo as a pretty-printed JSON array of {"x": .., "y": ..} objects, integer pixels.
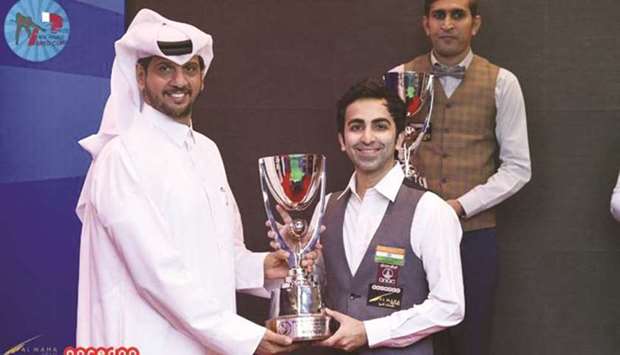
[
  {"x": 473, "y": 7},
  {"x": 144, "y": 62},
  {"x": 372, "y": 89}
]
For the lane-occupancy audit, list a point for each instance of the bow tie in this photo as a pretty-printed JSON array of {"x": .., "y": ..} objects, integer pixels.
[{"x": 440, "y": 70}]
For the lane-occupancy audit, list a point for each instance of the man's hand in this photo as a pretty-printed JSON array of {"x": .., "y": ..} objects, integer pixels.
[
  {"x": 456, "y": 206},
  {"x": 275, "y": 265},
  {"x": 350, "y": 336},
  {"x": 273, "y": 343}
]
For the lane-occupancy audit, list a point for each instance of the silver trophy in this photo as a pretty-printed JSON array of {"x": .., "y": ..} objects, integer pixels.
[
  {"x": 416, "y": 90},
  {"x": 293, "y": 181}
]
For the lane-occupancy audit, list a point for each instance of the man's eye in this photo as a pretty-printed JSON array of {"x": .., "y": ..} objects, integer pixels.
[
  {"x": 191, "y": 68},
  {"x": 439, "y": 15},
  {"x": 355, "y": 127},
  {"x": 164, "y": 69},
  {"x": 457, "y": 14},
  {"x": 381, "y": 126}
]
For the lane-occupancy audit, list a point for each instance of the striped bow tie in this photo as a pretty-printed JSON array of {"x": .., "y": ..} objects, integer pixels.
[{"x": 440, "y": 70}]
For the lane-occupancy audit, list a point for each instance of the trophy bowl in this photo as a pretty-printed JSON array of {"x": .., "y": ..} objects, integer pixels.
[
  {"x": 293, "y": 182},
  {"x": 416, "y": 90}
]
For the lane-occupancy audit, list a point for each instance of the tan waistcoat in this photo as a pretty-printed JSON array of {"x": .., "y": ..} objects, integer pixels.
[{"x": 463, "y": 150}]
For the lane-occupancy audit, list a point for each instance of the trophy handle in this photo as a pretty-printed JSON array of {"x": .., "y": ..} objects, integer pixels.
[
  {"x": 316, "y": 235},
  {"x": 431, "y": 89},
  {"x": 408, "y": 150},
  {"x": 293, "y": 258}
]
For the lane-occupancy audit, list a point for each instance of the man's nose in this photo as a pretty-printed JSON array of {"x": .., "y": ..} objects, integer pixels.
[
  {"x": 179, "y": 78},
  {"x": 448, "y": 23},
  {"x": 368, "y": 136}
]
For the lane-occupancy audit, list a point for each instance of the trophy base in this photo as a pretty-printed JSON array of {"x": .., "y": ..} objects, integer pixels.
[{"x": 301, "y": 328}]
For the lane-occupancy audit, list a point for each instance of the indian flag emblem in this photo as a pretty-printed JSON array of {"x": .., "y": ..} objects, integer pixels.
[{"x": 392, "y": 256}]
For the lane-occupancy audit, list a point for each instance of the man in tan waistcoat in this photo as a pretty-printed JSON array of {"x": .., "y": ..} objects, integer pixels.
[{"x": 476, "y": 155}]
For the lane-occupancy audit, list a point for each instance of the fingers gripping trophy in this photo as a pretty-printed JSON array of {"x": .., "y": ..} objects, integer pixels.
[
  {"x": 293, "y": 181},
  {"x": 416, "y": 90}
]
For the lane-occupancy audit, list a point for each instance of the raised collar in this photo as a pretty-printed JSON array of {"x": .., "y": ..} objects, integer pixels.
[
  {"x": 464, "y": 63},
  {"x": 178, "y": 133},
  {"x": 388, "y": 186}
]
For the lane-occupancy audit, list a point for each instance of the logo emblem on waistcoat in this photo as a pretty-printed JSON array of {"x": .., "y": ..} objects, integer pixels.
[{"x": 387, "y": 274}]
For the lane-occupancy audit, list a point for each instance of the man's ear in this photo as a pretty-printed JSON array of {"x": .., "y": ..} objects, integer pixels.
[
  {"x": 140, "y": 76},
  {"x": 476, "y": 25},
  {"x": 427, "y": 30},
  {"x": 341, "y": 141}
]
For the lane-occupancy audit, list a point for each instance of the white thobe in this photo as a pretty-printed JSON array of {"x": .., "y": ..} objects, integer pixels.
[{"x": 162, "y": 249}]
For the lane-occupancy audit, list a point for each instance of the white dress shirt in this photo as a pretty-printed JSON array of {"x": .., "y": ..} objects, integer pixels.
[
  {"x": 162, "y": 249},
  {"x": 511, "y": 134},
  {"x": 615, "y": 201},
  {"x": 435, "y": 239}
]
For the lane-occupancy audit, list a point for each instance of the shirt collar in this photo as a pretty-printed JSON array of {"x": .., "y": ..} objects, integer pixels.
[
  {"x": 178, "y": 132},
  {"x": 464, "y": 63},
  {"x": 388, "y": 186}
]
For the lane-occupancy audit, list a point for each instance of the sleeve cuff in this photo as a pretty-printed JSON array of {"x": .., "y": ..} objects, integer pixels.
[
  {"x": 251, "y": 271},
  {"x": 243, "y": 337},
  {"x": 272, "y": 285},
  {"x": 377, "y": 331},
  {"x": 470, "y": 205}
]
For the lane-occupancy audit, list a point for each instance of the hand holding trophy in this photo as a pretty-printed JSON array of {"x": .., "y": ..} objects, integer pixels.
[{"x": 293, "y": 181}]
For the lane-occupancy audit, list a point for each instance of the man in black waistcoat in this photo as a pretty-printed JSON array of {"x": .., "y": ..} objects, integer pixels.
[{"x": 391, "y": 249}]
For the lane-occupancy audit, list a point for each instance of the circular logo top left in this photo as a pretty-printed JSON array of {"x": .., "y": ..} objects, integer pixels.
[{"x": 36, "y": 30}]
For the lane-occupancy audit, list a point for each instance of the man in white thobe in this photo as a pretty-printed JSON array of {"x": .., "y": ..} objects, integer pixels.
[{"x": 162, "y": 249}]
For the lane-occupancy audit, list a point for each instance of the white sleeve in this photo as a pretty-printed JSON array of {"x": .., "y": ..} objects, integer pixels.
[
  {"x": 143, "y": 241},
  {"x": 435, "y": 239},
  {"x": 514, "y": 153},
  {"x": 249, "y": 266},
  {"x": 615, "y": 201}
]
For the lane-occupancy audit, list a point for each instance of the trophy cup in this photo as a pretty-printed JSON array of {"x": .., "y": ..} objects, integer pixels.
[
  {"x": 293, "y": 181},
  {"x": 416, "y": 90}
]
